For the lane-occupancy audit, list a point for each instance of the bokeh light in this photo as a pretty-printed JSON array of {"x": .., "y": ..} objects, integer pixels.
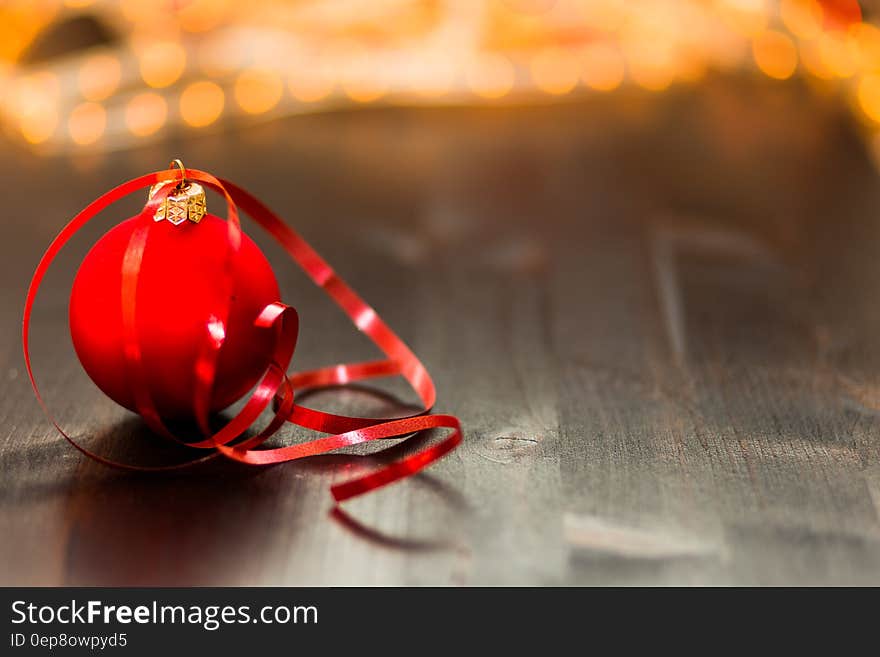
[
  {"x": 775, "y": 54},
  {"x": 87, "y": 123},
  {"x": 869, "y": 96},
  {"x": 162, "y": 63},
  {"x": 556, "y": 70},
  {"x": 99, "y": 76},
  {"x": 651, "y": 65},
  {"x": 280, "y": 58},
  {"x": 37, "y": 127},
  {"x": 360, "y": 77},
  {"x": 139, "y": 11},
  {"x": 35, "y": 93},
  {"x": 433, "y": 74},
  {"x": 841, "y": 14},
  {"x": 310, "y": 84},
  {"x": 258, "y": 90},
  {"x": 747, "y": 17},
  {"x": 802, "y": 17},
  {"x": 201, "y": 103},
  {"x": 202, "y": 15},
  {"x": 34, "y": 101},
  {"x": 811, "y": 59},
  {"x": 839, "y": 54},
  {"x": 145, "y": 113},
  {"x": 606, "y": 15},
  {"x": 603, "y": 67},
  {"x": 868, "y": 39},
  {"x": 490, "y": 76}
]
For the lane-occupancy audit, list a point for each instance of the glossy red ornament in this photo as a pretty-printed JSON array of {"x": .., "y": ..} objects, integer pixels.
[
  {"x": 174, "y": 319},
  {"x": 179, "y": 295}
]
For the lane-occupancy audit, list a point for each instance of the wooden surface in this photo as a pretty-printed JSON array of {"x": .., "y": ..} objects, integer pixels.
[{"x": 657, "y": 317}]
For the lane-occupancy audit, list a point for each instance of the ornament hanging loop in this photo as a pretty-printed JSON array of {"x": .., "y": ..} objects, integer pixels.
[
  {"x": 186, "y": 201},
  {"x": 177, "y": 162}
]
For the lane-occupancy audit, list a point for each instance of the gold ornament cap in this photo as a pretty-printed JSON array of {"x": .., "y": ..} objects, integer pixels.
[{"x": 185, "y": 202}]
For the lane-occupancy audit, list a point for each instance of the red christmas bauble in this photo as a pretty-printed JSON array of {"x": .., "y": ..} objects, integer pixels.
[{"x": 179, "y": 290}]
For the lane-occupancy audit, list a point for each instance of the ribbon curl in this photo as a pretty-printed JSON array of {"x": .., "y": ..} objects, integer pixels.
[{"x": 281, "y": 324}]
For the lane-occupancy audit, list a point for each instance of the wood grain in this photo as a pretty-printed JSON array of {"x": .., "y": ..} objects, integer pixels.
[{"x": 656, "y": 317}]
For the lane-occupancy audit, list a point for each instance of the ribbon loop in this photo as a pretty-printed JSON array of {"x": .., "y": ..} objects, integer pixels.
[{"x": 282, "y": 325}]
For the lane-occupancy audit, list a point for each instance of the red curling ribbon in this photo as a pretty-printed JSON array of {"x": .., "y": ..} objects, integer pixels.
[{"x": 281, "y": 324}]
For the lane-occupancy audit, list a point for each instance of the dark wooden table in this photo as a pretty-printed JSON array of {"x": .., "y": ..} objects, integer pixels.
[{"x": 657, "y": 317}]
